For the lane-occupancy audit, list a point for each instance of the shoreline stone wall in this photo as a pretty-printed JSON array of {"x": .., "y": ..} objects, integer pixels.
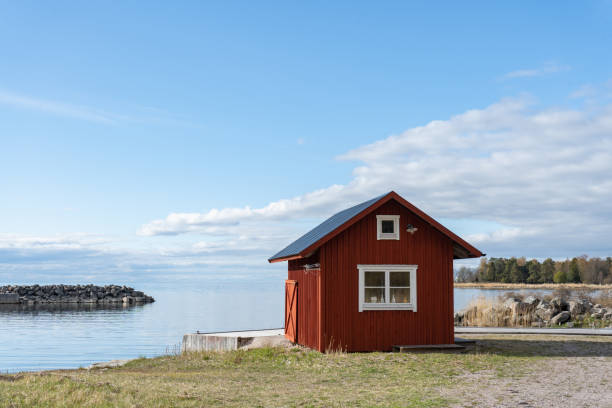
[
  {"x": 535, "y": 312},
  {"x": 84, "y": 294}
]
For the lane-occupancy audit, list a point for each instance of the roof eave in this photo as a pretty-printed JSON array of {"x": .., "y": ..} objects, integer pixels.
[{"x": 285, "y": 258}]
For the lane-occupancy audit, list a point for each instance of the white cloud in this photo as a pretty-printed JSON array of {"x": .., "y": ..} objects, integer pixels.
[
  {"x": 217, "y": 221},
  {"x": 544, "y": 174},
  {"x": 146, "y": 115},
  {"x": 57, "y": 108},
  {"x": 548, "y": 68},
  {"x": 585, "y": 91},
  {"x": 595, "y": 95},
  {"x": 502, "y": 235}
]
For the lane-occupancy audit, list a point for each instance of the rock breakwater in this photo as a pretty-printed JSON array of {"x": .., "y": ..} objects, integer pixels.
[
  {"x": 83, "y": 294},
  {"x": 535, "y": 312}
]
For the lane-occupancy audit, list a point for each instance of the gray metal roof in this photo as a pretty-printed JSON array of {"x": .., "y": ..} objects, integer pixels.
[{"x": 323, "y": 229}]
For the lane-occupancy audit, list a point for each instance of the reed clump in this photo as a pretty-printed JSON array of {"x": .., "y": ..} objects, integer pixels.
[
  {"x": 562, "y": 307},
  {"x": 485, "y": 312}
]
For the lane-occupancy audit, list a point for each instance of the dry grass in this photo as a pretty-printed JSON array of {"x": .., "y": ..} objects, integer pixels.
[
  {"x": 278, "y": 377},
  {"x": 498, "y": 285},
  {"x": 605, "y": 299},
  {"x": 486, "y": 312},
  {"x": 491, "y": 312},
  {"x": 270, "y": 377}
]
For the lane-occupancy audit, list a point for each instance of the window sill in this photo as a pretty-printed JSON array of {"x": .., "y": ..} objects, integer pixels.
[
  {"x": 388, "y": 236},
  {"x": 388, "y": 306}
]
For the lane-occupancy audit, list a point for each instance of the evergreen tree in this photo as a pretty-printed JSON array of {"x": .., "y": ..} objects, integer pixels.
[
  {"x": 533, "y": 267},
  {"x": 547, "y": 271},
  {"x": 573, "y": 274},
  {"x": 490, "y": 273},
  {"x": 513, "y": 273}
]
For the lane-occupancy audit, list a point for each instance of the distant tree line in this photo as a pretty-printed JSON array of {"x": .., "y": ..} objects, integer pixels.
[{"x": 581, "y": 269}]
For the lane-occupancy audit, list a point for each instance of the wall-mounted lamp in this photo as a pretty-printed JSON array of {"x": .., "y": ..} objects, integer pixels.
[{"x": 411, "y": 228}]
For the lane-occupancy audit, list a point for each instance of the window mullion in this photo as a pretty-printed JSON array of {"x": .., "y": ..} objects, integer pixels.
[{"x": 387, "y": 284}]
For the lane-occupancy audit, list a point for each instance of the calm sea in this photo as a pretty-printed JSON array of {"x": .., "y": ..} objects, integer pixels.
[{"x": 46, "y": 338}]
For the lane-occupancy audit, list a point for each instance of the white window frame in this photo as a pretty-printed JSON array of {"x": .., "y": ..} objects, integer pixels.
[
  {"x": 388, "y": 306},
  {"x": 380, "y": 235}
]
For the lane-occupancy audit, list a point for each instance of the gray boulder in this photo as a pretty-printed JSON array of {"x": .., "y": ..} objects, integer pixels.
[
  {"x": 531, "y": 301},
  {"x": 543, "y": 305},
  {"x": 545, "y": 311},
  {"x": 518, "y": 308},
  {"x": 559, "y": 304},
  {"x": 560, "y": 318},
  {"x": 575, "y": 308},
  {"x": 458, "y": 318},
  {"x": 127, "y": 300}
]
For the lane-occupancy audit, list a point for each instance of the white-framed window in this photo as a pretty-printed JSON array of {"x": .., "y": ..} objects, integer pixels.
[
  {"x": 387, "y": 287},
  {"x": 387, "y": 227}
]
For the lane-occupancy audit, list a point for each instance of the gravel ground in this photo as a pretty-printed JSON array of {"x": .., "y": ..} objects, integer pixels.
[{"x": 568, "y": 371}]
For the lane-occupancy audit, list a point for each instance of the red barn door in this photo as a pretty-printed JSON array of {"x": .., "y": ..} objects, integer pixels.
[{"x": 291, "y": 294}]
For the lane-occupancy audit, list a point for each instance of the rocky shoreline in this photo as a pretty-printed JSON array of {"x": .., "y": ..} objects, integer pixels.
[
  {"x": 73, "y": 294},
  {"x": 536, "y": 312}
]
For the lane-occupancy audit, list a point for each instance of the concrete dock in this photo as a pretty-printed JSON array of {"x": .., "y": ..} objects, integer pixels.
[{"x": 234, "y": 340}]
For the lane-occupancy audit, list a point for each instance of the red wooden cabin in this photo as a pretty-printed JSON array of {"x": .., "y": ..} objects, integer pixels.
[{"x": 373, "y": 276}]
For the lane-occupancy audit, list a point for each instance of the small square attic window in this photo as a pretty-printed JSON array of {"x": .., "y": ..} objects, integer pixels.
[{"x": 387, "y": 227}]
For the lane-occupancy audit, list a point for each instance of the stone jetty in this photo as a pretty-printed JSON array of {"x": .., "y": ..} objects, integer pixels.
[
  {"x": 535, "y": 312},
  {"x": 83, "y": 294}
]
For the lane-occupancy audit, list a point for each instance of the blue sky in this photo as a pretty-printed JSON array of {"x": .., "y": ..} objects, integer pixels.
[{"x": 493, "y": 118}]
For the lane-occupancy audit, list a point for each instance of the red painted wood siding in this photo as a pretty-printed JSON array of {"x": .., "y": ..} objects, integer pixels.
[
  {"x": 345, "y": 327},
  {"x": 308, "y": 316}
]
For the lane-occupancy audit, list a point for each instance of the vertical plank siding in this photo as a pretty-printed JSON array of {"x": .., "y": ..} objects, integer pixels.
[
  {"x": 308, "y": 317},
  {"x": 342, "y": 325},
  {"x": 291, "y": 298}
]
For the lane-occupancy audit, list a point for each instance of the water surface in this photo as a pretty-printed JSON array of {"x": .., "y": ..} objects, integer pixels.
[{"x": 48, "y": 337}]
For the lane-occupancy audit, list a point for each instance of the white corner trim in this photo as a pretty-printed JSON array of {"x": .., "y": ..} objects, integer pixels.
[
  {"x": 412, "y": 306},
  {"x": 396, "y": 227}
]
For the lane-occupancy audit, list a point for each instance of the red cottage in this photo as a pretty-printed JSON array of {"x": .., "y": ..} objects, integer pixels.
[{"x": 373, "y": 276}]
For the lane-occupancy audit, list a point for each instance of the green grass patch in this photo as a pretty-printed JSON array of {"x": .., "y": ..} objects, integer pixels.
[{"x": 279, "y": 377}]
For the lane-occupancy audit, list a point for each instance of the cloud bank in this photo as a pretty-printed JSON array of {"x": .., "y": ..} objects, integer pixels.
[
  {"x": 511, "y": 178},
  {"x": 544, "y": 174}
]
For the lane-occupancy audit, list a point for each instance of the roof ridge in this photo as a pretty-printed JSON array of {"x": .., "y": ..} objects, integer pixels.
[{"x": 334, "y": 225}]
